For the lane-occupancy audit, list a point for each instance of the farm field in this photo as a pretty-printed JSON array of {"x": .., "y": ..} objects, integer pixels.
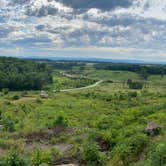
[{"x": 103, "y": 125}]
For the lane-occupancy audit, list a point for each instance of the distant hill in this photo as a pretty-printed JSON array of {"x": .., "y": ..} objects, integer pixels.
[{"x": 132, "y": 61}]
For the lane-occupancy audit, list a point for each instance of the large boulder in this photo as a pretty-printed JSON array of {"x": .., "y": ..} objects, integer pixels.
[{"x": 152, "y": 129}]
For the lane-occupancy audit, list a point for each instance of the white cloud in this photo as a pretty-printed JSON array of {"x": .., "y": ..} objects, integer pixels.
[
  {"x": 145, "y": 8},
  {"x": 49, "y": 23}
]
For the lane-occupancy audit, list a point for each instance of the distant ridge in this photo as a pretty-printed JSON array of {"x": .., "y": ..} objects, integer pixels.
[
  {"x": 58, "y": 58},
  {"x": 132, "y": 61}
]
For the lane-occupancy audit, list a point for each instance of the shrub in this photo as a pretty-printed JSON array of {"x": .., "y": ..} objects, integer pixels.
[
  {"x": 133, "y": 94},
  {"x": 5, "y": 91},
  {"x": 134, "y": 85},
  {"x": 60, "y": 121},
  {"x": 116, "y": 160},
  {"x": 92, "y": 156},
  {"x": 14, "y": 159},
  {"x": 103, "y": 124},
  {"x": 130, "y": 147},
  {"x": 158, "y": 155},
  {"x": 38, "y": 100},
  {"x": 9, "y": 124},
  {"x": 41, "y": 158},
  {"x": 15, "y": 97}
]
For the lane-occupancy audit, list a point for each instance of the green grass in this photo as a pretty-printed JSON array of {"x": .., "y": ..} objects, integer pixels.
[
  {"x": 109, "y": 112},
  {"x": 112, "y": 75},
  {"x": 61, "y": 82}
]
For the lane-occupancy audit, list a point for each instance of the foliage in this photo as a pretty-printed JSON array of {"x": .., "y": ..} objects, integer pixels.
[
  {"x": 144, "y": 70},
  {"x": 91, "y": 155},
  {"x": 41, "y": 157},
  {"x": 60, "y": 121},
  {"x": 134, "y": 85},
  {"x": 14, "y": 159},
  {"x": 158, "y": 155},
  {"x": 15, "y": 97},
  {"x": 112, "y": 116},
  {"x": 18, "y": 74},
  {"x": 9, "y": 124}
]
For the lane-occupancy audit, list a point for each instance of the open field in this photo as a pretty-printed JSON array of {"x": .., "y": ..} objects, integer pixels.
[{"x": 102, "y": 125}]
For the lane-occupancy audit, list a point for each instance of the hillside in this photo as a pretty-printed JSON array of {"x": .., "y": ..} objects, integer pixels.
[
  {"x": 16, "y": 74},
  {"x": 110, "y": 124}
]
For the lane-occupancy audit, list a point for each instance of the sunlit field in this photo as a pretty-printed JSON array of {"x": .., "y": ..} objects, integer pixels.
[{"x": 101, "y": 125}]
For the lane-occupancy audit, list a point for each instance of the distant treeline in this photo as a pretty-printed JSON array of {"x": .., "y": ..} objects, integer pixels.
[
  {"x": 66, "y": 65},
  {"x": 16, "y": 74},
  {"x": 148, "y": 69}
]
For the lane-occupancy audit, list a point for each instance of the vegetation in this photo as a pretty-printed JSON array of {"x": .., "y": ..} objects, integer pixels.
[
  {"x": 100, "y": 126},
  {"x": 14, "y": 159},
  {"x": 139, "y": 68},
  {"x": 134, "y": 85},
  {"x": 18, "y": 74}
]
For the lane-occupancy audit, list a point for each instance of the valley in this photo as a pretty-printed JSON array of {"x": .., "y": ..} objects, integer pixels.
[{"x": 93, "y": 119}]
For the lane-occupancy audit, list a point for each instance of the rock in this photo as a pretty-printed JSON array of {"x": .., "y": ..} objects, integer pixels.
[
  {"x": 152, "y": 129},
  {"x": 64, "y": 147},
  {"x": 44, "y": 95}
]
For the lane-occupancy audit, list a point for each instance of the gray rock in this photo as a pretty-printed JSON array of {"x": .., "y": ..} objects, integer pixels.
[
  {"x": 44, "y": 95},
  {"x": 152, "y": 129}
]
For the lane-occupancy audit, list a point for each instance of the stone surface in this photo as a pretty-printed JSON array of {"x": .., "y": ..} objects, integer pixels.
[{"x": 152, "y": 129}]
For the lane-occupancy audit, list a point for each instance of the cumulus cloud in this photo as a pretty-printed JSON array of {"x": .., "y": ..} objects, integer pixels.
[
  {"x": 81, "y": 23},
  {"x": 44, "y": 7},
  {"x": 101, "y": 4},
  {"x": 146, "y": 8}
]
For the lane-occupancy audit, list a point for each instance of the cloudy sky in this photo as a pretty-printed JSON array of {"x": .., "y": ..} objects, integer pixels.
[{"x": 117, "y": 29}]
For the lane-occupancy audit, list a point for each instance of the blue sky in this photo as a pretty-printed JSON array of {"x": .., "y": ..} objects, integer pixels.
[{"x": 116, "y": 29}]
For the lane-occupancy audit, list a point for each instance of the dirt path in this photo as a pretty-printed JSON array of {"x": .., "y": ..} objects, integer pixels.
[{"x": 82, "y": 88}]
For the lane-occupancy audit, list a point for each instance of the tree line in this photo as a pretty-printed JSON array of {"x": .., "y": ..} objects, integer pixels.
[
  {"x": 144, "y": 70},
  {"x": 17, "y": 74}
]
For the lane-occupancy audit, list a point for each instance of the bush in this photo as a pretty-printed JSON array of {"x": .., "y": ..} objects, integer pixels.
[
  {"x": 41, "y": 158},
  {"x": 134, "y": 85},
  {"x": 133, "y": 94},
  {"x": 130, "y": 147},
  {"x": 92, "y": 156},
  {"x": 15, "y": 97},
  {"x": 5, "y": 91},
  {"x": 158, "y": 155},
  {"x": 14, "y": 159},
  {"x": 60, "y": 121},
  {"x": 38, "y": 100},
  {"x": 9, "y": 124},
  {"x": 103, "y": 124},
  {"x": 116, "y": 160}
]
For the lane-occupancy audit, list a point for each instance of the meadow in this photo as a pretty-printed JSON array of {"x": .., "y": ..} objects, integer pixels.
[{"x": 100, "y": 126}]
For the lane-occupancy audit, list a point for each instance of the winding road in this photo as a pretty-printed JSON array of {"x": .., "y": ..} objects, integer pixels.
[{"x": 82, "y": 88}]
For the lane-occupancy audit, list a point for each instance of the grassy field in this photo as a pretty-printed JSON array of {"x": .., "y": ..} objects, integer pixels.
[{"x": 104, "y": 125}]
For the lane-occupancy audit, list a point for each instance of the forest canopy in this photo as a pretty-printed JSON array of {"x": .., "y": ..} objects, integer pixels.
[
  {"x": 16, "y": 74},
  {"x": 138, "y": 68}
]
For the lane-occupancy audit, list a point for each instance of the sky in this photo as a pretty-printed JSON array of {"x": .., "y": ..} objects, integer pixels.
[{"x": 110, "y": 29}]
